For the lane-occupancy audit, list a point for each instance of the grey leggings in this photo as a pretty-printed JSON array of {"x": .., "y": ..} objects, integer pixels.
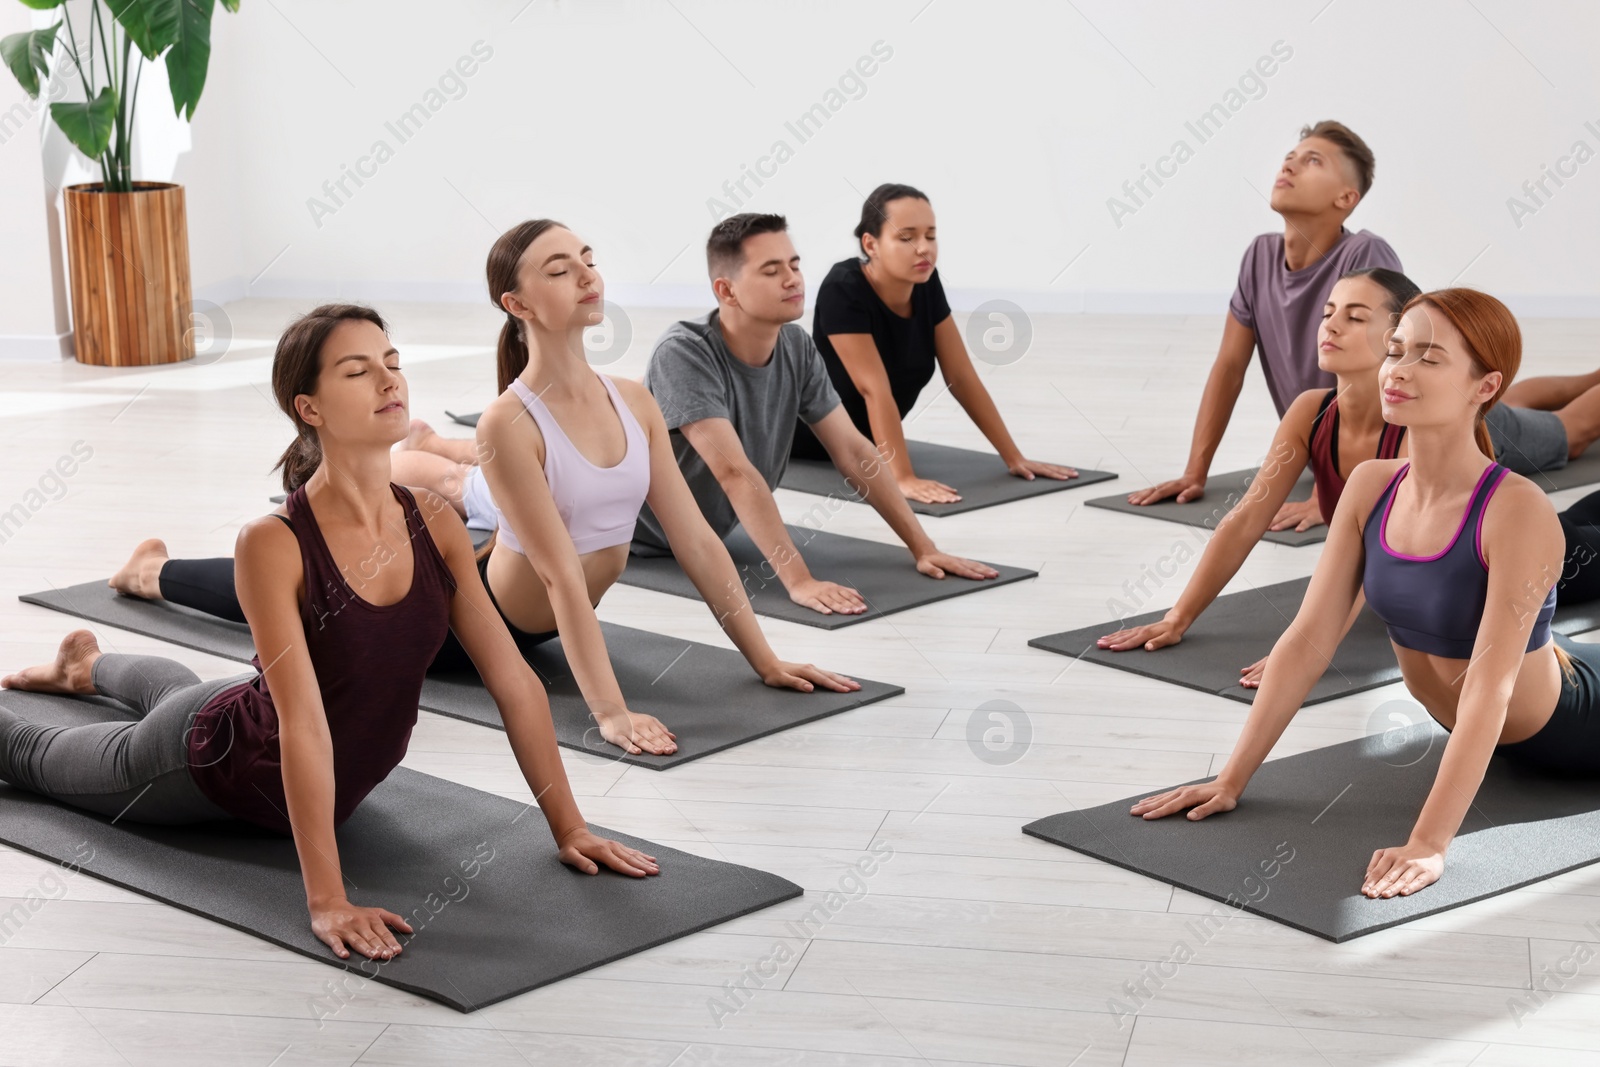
[{"x": 131, "y": 770}]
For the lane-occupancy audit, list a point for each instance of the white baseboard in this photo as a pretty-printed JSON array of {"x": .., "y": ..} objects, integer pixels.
[{"x": 35, "y": 347}]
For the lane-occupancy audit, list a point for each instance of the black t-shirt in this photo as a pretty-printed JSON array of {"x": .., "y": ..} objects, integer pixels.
[{"x": 846, "y": 303}]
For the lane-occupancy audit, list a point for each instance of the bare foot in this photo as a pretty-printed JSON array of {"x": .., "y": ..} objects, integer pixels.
[
  {"x": 141, "y": 575},
  {"x": 71, "y": 672}
]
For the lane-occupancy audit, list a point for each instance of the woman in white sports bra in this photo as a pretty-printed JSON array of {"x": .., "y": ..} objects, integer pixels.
[{"x": 568, "y": 457}]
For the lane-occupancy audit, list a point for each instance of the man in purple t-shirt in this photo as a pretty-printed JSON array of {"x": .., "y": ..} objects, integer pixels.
[{"x": 1284, "y": 281}]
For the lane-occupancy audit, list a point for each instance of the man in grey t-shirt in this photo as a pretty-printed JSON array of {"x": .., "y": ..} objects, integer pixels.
[{"x": 730, "y": 386}]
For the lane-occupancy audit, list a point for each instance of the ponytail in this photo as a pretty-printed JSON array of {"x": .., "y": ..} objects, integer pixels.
[
  {"x": 299, "y": 461},
  {"x": 505, "y": 259},
  {"x": 511, "y": 357},
  {"x": 1481, "y": 431}
]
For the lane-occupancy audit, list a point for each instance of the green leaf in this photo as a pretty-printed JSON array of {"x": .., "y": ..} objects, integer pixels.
[
  {"x": 28, "y": 56},
  {"x": 152, "y": 25},
  {"x": 189, "y": 56},
  {"x": 43, "y": 5},
  {"x": 231, "y": 5},
  {"x": 88, "y": 125}
]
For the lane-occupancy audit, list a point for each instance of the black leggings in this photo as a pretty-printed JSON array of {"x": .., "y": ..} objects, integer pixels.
[
  {"x": 1580, "y": 574},
  {"x": 1570, "y": 742},
  {"x": 207, "y": 585}
]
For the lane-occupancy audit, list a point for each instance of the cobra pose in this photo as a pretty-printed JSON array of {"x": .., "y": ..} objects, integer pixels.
[
  {"x": 296, "y": 746},
  {"x": 1332, "y": 431},
  {"x": 1460, "y": 559},
  {"x": 564, "y": 503}
]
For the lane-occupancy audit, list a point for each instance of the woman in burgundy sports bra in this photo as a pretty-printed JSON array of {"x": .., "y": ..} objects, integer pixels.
[
  {"x": 295, "y": 746},
  {"x": 1330, "y": 431},
  {"x": 564, "y": 520},
  {"x": 1469, "y": 621}
]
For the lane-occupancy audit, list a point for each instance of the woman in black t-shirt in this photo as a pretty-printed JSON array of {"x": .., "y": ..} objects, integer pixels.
[{"x": 882, "y": 325}]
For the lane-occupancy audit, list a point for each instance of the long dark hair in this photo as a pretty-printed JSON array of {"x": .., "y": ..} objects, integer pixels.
[
  {"x": 1400, "y": 288},
  {"x": 875, "y": 212},
  {"x": 296, "y": 365},
  {"x": 512, "y": 355}
]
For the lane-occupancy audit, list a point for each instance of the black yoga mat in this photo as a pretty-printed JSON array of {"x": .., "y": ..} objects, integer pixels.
[
  {"x": 478, "y": 533},
  {"x": 885, "y": 576},
  {"x": 1240, "y": 628},
  {"x": 709, "y": 697},
  {"x": 494, "y": 912},
  {"x": 470, "y": 419},
  {"x": 980, "y": 477},
  {"x": 1223, "y": 491},
  {"x": 1297, "y": 847}
]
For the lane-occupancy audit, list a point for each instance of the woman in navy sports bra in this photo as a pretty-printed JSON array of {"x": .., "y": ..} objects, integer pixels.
[
  {"x": 1460, "y": 558},
  {"x": 295, "y": 745},
  {"x": 540, "y": 487}
]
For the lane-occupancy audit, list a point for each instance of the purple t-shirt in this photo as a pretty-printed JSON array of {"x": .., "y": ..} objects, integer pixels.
[{"x": 1284, "y": 307}]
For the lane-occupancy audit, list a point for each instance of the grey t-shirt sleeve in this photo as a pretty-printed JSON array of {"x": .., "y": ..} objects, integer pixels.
[
  {"x": 1241, "y": 306},
  {"x": 684, "y": 378},
  {"x": 818, "y": 397}
]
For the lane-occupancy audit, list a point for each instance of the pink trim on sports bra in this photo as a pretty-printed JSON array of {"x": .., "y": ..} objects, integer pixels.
[
  {"x": 1477, "y": 534},
  {"x": 1394, "y": 491}
]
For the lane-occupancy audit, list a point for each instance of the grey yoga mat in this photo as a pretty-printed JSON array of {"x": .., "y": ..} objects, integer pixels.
[
  {"x": 709, "y": 697},
  {"x": 1239, "y": 628},
  {"x": 1296, "y": 848},
  {"x": 884, "y": 575},
  {"x": 980, "y": 477},
  {"x": 1223, "y": 491},
  {"x": 470, "y": 419},
  {"x": 494, "y": 912}
]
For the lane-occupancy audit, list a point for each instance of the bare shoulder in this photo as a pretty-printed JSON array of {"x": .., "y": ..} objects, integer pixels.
[
  {"x": 444, "y": 525},
  {"x": 638, "y": 398},
  {"x": 1365, "y": 484},
  {"x": 1518, "y": 502}
]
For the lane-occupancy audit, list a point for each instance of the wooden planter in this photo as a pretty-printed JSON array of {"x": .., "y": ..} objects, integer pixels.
[{"x": 128, "y": 257}]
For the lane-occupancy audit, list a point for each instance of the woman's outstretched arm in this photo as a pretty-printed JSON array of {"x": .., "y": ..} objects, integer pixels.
[
  {"x": 1299, "y": 657},
  {"x": 512, "y": 451},
  {"x": 523, "y": 704},
  {"x": 1523, "y": 547},
  {"x": 1237, "y": 533},
  {"x": 955, "y": 364},
  {"x": 859, "y": 354},
  {"x": 269, "y": 574}
]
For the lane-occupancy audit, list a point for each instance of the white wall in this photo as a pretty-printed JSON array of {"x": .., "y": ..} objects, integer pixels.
[{"x": 1020, "y": 119}]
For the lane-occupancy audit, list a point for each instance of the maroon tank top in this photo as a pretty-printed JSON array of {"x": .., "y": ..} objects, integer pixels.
[
  {"x": 369, "y": 662},
  {"x": 1325, "y": 452}
]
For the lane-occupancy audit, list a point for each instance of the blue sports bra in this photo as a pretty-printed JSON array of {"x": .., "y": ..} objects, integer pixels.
[{"x": 1434, "y": 603}]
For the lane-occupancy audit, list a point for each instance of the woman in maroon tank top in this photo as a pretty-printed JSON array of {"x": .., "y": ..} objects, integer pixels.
[
  {"x": 1330, "y": 431},
  {"x": 349, "y": 591}
]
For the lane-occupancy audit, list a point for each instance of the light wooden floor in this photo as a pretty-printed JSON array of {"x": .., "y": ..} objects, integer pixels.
[{"x": 974, "y": 944}]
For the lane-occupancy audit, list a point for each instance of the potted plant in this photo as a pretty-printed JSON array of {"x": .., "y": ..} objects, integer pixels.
[{"x": 127, "y": 241}]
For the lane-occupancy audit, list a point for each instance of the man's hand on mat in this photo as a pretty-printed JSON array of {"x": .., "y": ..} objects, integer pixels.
[
  {"x": 827, "y": 597},
  {"x": 1250, "y": 677},
  {"x": 1206, "y": 798},
  {"x": 1402, "y": 870},
  {"x": 806, "y": 677},
  {"x": 1298, "y": 515},
  {"x": 584, "y": 851},
  {"x": 1186, "y": 488},
  {"x": 938, "y": 564},
  {"x": 634, "y": 731},
  {"x": 1150, "y": 636},
  {"x": 928, "y": 491},
  {"x": 366, "y": 930},
  {"x": 1029, "y": 468}
]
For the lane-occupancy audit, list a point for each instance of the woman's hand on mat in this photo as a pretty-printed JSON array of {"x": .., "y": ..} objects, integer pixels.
[
  {"x": 1186, "y": 488},
  {"x": 1205, "y": 799},
  {"x": 1029, "y": 468},
  {"x": 938, "y": 564},
  {"x": 586, "y": 852},
  {"x": 1402, "y": 871},
  {"x": 340, "y": 923},
  {"x": 927, "y": 491},
  {"x": 806, "y": 677},
  {"x": 1298, "y": 515},
  {"x": 1250, "y": 677},
  {"x": 1150, "y": 636},
  {"x": 827, "y": 597},
  {"x": 634, "y": 732}
]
